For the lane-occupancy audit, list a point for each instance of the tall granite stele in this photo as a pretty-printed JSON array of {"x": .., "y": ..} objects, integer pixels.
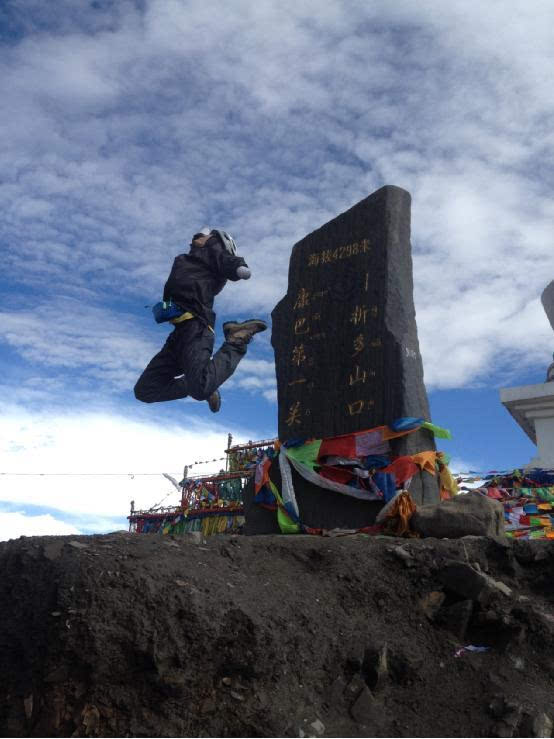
[
  {"x": 345, "y": 337},
  {"x": 347, "y": 353}
]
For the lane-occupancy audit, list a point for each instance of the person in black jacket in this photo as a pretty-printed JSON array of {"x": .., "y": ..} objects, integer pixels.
[{"x": 185, "y": 365}]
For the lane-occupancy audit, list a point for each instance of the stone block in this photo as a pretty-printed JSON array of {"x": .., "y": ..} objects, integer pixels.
[
  {"x": 467, "y": 514},
  {"x": 345, "y": 337},
  {"x": 364, "y": 708},
  {"x": 464, "y": 580}
]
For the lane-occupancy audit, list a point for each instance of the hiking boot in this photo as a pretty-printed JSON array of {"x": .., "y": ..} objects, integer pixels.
[
  {"x": 214, "y": 401},
  {"x": 242, "y": 333}
]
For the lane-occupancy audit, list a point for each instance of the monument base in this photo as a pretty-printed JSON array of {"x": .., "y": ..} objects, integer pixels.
[
  {"x": 321, "y": 508},
  {"x": 532, "y": 407}
]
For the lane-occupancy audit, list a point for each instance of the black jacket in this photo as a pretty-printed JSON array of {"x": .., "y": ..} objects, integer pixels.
[{"x": 197, "y": 277}]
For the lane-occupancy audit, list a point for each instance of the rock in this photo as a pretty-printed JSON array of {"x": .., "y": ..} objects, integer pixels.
[
  {"x": 28, "y": 706},
  {"x": 403, "y": 555},
  {"x": 53, "y": 549},
  {"x": 464, "y": 580},
  {"x": 375, "y": 667},
  {"x": 512, "y": 715},
  {"x": 356, "y": 685},
  {"x": 364, "y": 707},
  {"x": 78, "y": 545},
  {"x": 542, "y": 725},
  {"x": 318, "y": 727},
  {"x": 91, "y": 719},
  {"x": 430, "y": 604},
  {"x": 337, "y": 691},
  {"x": 456, "y": 617},
  {"x": 496, "y": 707},
  {"x": 465, "y": 514}
]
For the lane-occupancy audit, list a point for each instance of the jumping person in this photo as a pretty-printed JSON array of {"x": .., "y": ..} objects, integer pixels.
[{"x": 185, "y": 365}]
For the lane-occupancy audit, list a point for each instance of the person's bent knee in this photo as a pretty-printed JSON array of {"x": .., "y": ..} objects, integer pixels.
[{"x": 142, "y": 395}]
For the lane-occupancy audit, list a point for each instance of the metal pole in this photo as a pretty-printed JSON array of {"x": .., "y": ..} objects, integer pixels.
[
  {"x": 185, "y": 475},
  {"x": 229, "y": 443}
]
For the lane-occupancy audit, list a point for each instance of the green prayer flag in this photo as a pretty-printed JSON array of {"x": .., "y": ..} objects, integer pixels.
[
  {"x": 286, "y": 524},
  {"x": 437, "y": 430},
  {"x": 306, "y": 453}
]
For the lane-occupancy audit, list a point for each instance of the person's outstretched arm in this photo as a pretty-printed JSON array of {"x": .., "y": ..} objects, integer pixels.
[{"x": 223, "y": 263}]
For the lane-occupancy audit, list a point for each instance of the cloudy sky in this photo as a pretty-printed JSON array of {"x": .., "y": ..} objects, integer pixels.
[{"x": 128, "y": 124}]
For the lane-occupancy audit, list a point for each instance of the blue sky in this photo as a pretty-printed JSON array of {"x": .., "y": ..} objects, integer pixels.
[{"x": 130, "y": 125}]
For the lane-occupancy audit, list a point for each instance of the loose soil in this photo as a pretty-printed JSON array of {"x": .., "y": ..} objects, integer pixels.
[{"x": 144, "y": 635}]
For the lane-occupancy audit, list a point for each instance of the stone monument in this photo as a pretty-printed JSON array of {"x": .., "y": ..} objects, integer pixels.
[
  {"x": 532, "y": 406},
  {"x": 346, "y": 347}
]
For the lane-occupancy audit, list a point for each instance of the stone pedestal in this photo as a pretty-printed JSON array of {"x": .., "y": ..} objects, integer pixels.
[{"x": 532, "y": 406}]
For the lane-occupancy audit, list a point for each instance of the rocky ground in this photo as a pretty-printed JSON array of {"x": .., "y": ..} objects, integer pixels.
[{"x": 130, "y": 635}]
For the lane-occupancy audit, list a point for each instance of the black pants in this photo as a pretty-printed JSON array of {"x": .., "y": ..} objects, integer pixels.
[{"x": 188, "y": 351}]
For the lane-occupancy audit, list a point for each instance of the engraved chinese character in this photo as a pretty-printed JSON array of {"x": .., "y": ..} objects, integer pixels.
[
  {"x": 366, "y": 281},
  {"x": 356, "y": 407},
  {"x": 301, "y": 326},
  {"x": 313, "y": 260},
  {"x": 358, "y": 376},
  {"x": 294, "y": 414},
  {"x": 303, "y": 298},
  {"x": 359, "y": 315},
  {"x": 359, "y": 344},
  {"x": 373, "y": 311},
  {"x": 317, "y": 316},
  {"x": 364, "y": 245},
  {"x": 298, "y": 355},
  {"x": 298, "y": 382},
  {"x": 376, "y": 343},
  {"x": 326, "y": 256}
]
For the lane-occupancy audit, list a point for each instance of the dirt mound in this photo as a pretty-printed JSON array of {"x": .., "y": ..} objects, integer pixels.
[{"x": 128, "y": 635}]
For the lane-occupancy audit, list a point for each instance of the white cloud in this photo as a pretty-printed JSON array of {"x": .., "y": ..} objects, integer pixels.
[
  {"x": 89, "y": 466},
  {"x": 257, "y": 376},
  {"x": 129, "y": 128},
  {"x": 71, "y": 335},
  {"x": 457, "y": 466},
  {"x": 16, "y": 524}
]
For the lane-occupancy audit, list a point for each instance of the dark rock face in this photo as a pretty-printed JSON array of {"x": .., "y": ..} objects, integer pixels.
[
  {"x": 345, "y": 338},
  {"x": 141, "y": 635}
]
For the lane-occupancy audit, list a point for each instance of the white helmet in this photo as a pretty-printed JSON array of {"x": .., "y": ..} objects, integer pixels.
[{"x": 227, "y": 241}]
